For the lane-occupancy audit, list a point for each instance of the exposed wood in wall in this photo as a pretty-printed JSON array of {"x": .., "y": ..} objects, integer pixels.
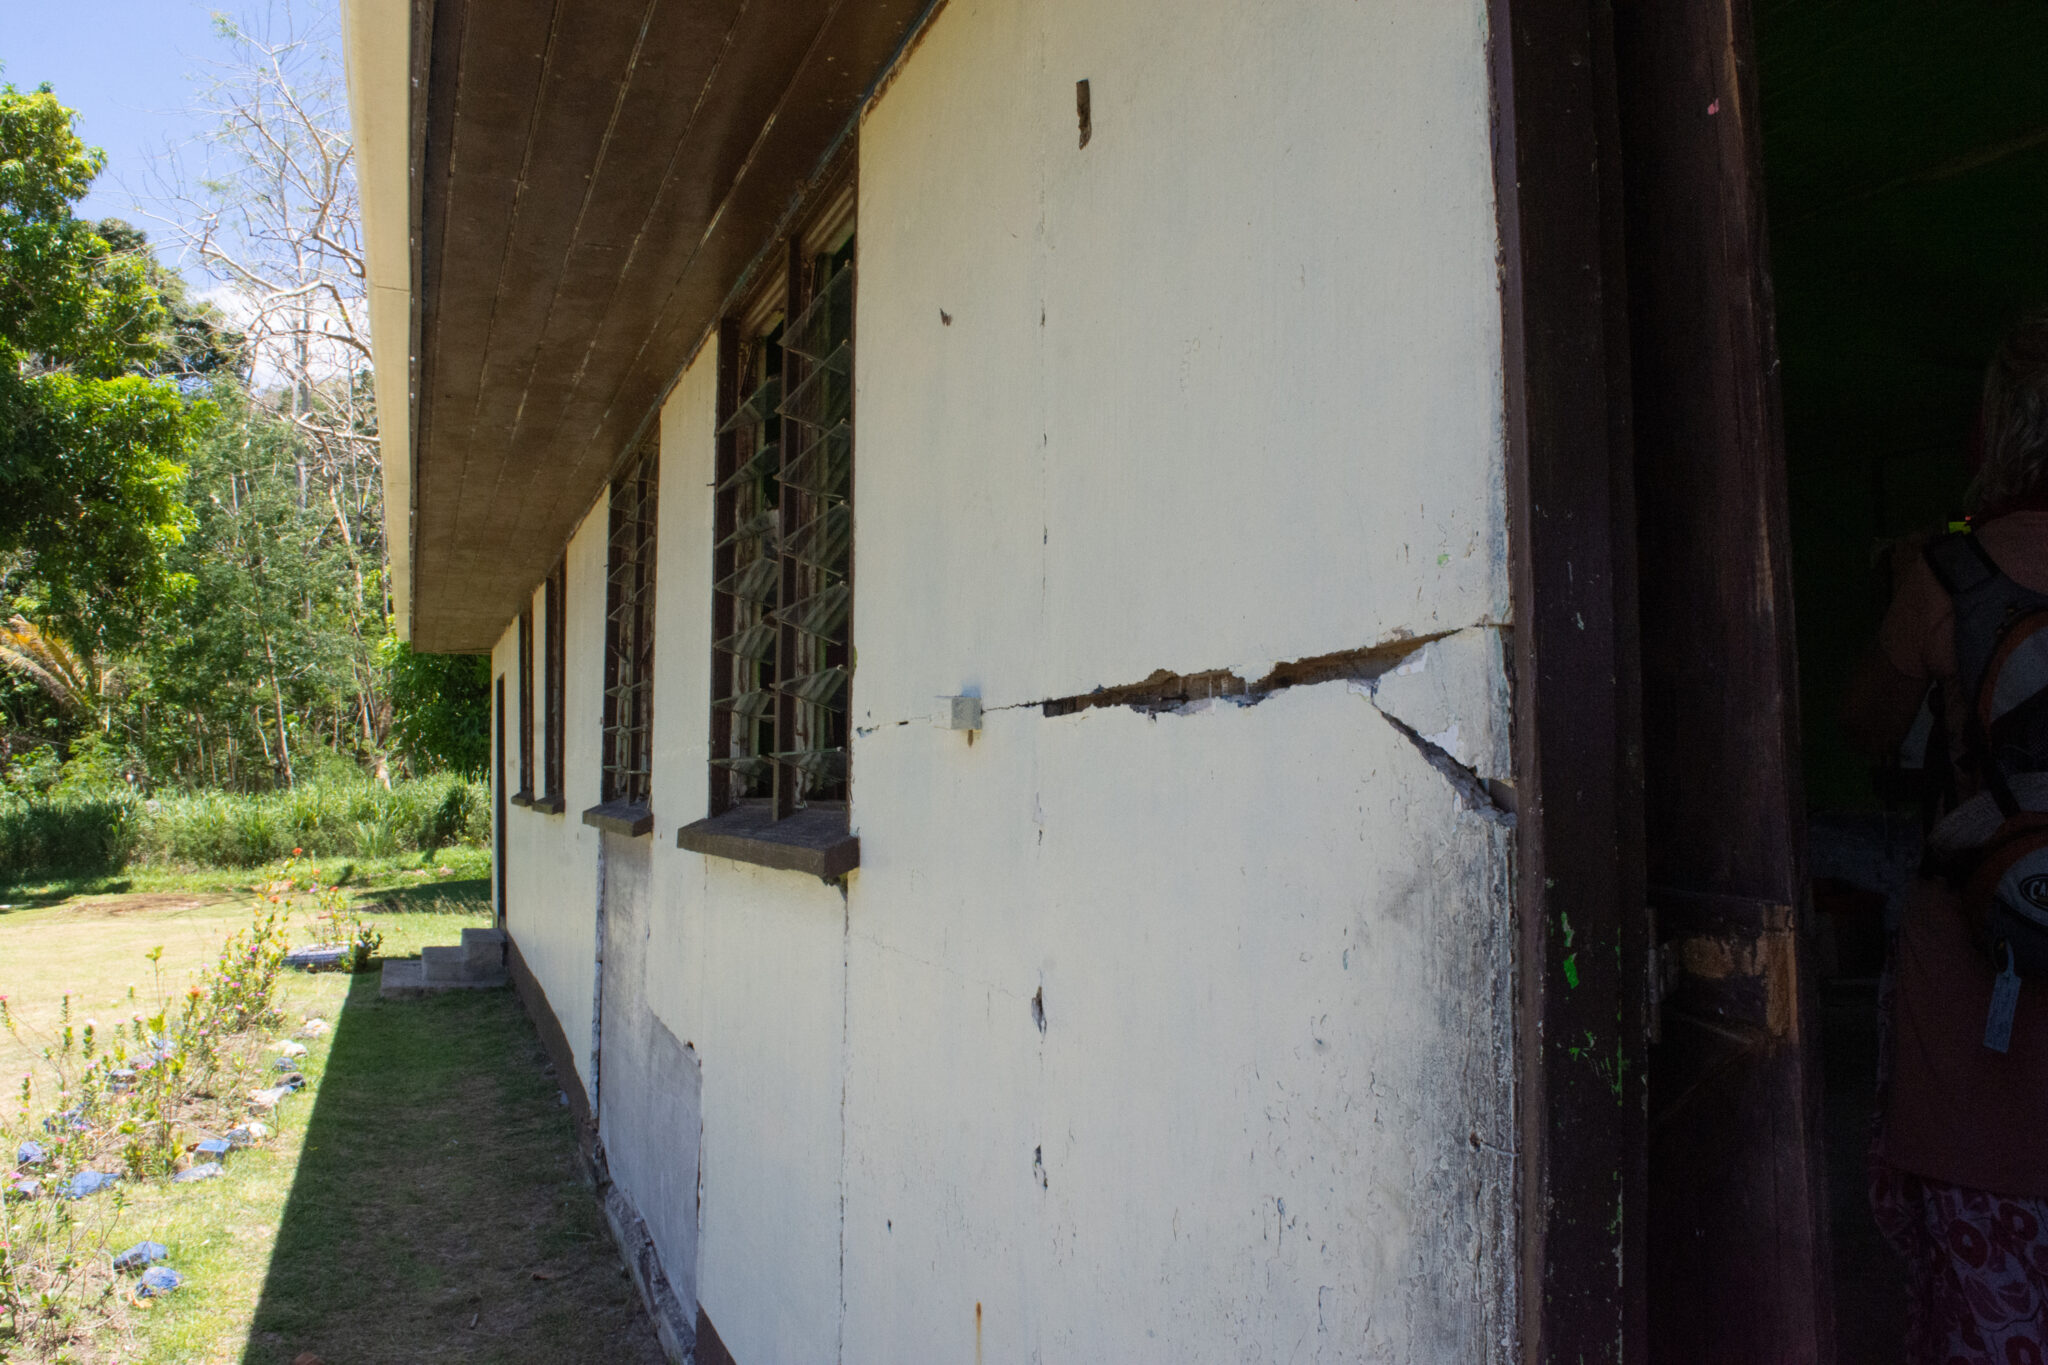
[{"x": 1165, "y": 691}]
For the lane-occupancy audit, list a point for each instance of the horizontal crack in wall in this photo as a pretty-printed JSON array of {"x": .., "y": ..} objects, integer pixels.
[{"x": 1164, "y": 691}]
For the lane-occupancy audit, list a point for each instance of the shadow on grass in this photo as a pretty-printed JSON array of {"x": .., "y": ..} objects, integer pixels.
[
  {"x": 40, "y": 895},
  {"x": 463, "y": 897},
  {"x": 436, "y": 1212}
]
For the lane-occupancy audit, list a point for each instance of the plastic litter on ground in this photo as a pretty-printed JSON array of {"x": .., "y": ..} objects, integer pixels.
[
  {"x": 89, "y": 1182},
  {"x": 141, "y": 1254},
  {"x": 158, "y": 1279}
]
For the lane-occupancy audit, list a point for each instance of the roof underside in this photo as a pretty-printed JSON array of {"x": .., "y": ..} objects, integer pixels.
[{"x": 595, "y": 178}]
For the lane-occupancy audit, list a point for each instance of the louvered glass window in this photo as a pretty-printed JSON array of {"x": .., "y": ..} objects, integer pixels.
[
  {"x": 783, "y": 564},
  {"x": 629, "y": 636}
]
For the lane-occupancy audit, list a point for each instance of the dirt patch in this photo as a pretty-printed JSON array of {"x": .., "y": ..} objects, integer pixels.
[{"x": 143, "y": 902}]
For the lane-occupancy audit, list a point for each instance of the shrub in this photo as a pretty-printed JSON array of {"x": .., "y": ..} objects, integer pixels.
[
  {"x": 56, "y": 835},
  {"x": 66, "y": 837}
]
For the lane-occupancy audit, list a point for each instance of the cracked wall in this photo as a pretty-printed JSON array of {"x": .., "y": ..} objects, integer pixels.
[
  {"x": 1174, "y": 1025},
  {"x": 1213, "y": 428}
]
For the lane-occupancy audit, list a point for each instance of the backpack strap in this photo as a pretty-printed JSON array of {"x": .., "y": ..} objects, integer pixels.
[
  {"x": 1960, "y": 563},
  {"x": 1986, "y": 600},
  {"x": 1983, "y": 598}
]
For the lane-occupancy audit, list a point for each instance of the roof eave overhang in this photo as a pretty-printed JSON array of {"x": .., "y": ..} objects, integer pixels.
[
  {"x": 377, "y": 40},
  {"x": 560, "y": 201}
]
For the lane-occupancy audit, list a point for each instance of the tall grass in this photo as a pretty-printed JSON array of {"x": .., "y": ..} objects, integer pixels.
[{"x": 52, "y": 836}]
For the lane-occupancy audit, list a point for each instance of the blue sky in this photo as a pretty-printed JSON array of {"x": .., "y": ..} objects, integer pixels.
[{"x": 125, "y": 66}]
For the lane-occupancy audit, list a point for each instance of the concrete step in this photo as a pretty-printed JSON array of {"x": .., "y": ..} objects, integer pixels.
[
  {"x": 444, "y": 964},
  {"x": 485, "y": 949},
  {"x": 403, "y": 978},
  {"x": 447, "y": 967}
]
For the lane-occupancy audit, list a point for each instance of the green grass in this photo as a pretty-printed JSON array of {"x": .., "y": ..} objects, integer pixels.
[
  {"x": 104, "y": 834},
  {"x": 421, "y": 1183},
  {"x": 86, "y": 937}
]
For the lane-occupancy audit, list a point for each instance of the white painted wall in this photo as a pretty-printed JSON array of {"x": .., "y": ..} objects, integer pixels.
[
  {"x": 755, "y": 963},
  {"x": 1220, "y": 390},
  {"x": 552, "y": 877}
]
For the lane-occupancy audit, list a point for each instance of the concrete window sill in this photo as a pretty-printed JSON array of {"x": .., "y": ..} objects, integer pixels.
[
  {"x": 630, "y": 818},
  {"x": 549, "y": 805},
  {"x": 814, "y": 840},
  {"x": 521, "y": 799}
]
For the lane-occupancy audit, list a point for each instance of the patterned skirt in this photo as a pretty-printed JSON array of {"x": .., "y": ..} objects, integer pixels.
[{"x": 1976, "y": 1269}]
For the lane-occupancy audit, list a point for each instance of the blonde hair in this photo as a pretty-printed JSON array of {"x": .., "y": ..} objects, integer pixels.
[{"x": 2015, "y": 417}]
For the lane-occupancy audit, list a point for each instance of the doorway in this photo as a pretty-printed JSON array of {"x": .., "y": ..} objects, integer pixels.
[
  {"x": 1830, "y": 214},
  {"x": 1695, "y": 1090},
  {"x": 1905, "y": 164}
]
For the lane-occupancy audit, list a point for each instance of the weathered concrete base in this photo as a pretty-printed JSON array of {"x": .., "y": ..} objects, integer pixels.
[{"x": 672, "y": 1322}]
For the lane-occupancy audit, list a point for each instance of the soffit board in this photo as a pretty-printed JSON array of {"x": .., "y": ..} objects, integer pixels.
[{"x": 596, "y": 176}]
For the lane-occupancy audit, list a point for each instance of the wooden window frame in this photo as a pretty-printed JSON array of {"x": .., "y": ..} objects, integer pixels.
[
  {"x": 554, "y": 675},
  {"x": 626, "y": 752},
  {"x": 524, "y": 796},
  {"x": 788, "y": 828}
]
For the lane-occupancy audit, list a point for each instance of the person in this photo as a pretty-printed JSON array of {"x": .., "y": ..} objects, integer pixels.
[{"x": 1959, "y": 1164}]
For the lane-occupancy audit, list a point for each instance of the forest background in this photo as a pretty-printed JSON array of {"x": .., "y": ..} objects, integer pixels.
[{"x": 192, "y": 547}]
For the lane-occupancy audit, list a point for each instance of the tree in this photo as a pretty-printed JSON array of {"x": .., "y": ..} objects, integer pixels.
[
  {"x": 91, "y": 444},
  {"x": 267, "y": 204},
  {"x": 440, "y": 708}
]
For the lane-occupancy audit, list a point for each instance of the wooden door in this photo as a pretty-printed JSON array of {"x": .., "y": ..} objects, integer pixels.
[{"x": 1737, "y": 1242}]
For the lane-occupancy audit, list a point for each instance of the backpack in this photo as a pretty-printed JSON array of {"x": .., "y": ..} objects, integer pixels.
[{"x": 1993, "y": 848}]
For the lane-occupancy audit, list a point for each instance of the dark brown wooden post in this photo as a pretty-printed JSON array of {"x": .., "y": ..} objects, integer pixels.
[
  {"x": 1583, "y": 942},
  {"x": 1738, "y": 1255}
]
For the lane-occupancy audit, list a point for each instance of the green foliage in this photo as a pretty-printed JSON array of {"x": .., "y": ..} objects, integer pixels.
[
  {"x": 440, "y": 708},
  {"x": 33, "y": 771},
  {"x": 65, "y": 295},
  {"x": 264, "y": 661},
  {"x": 198, "y": 340},
  {"x": 190, "y": 567},
  {"x": 91, "y": 449},
  {"x": 66, "y": 838},
  {"x": 92, "y": 772},
  {"x": 56, "y": 835}
]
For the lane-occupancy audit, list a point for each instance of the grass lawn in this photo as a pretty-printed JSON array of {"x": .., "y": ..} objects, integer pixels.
[{"x": 418, "y": 1201}]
